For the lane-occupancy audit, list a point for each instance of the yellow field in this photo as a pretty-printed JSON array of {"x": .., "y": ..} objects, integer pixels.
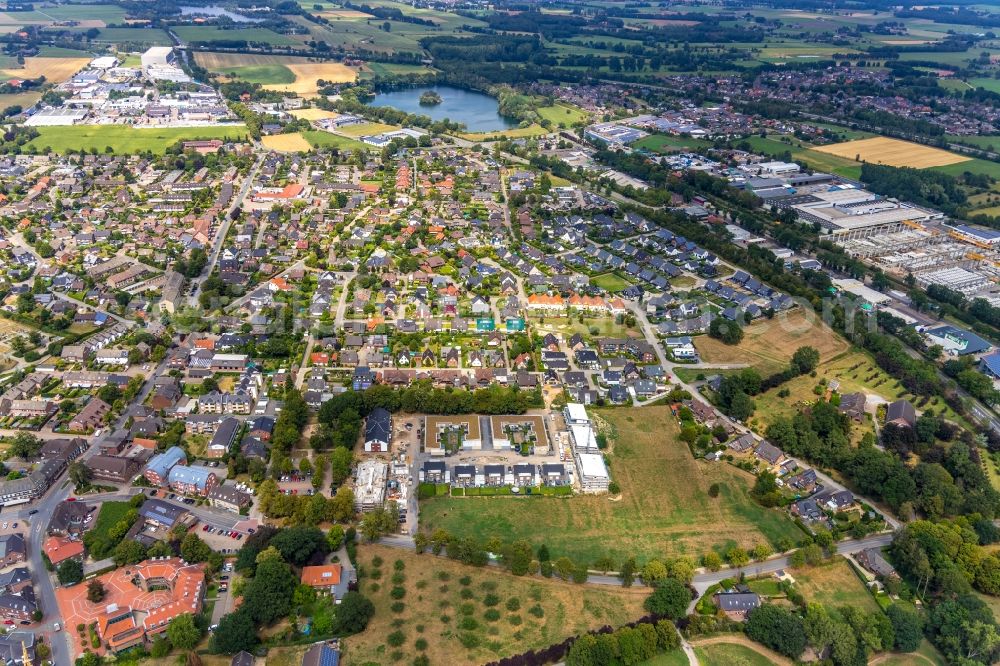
[
  {"x": 55, "y": 70},
  {"x": 768, "y": 344},
  {"x": 309, "y": 74},
  {"x": 312, "y": 114},
  {"x": 286, "y": 143},
  {"x": 366, "y": 129},
  {"x": 893, "y": 152}
]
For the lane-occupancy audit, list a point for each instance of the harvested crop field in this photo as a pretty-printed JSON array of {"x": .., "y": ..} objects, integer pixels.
[
  {"x": 55, "y": 70},
  {"x": 768, "y": 345},
  {"x": 313, "y": 114},
  {"x": 892, "y": 152},
  {"x": 286, "y": 143},
  {"x": 308, "y": 75},
  {"x": 305, "y": 75}
]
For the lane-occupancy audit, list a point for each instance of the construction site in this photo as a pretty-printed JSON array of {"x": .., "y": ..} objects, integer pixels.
[{"x": 962, "y": 258}]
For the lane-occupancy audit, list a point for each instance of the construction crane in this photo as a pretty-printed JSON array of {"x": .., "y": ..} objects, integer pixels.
[{"x": 965, "y": 239}]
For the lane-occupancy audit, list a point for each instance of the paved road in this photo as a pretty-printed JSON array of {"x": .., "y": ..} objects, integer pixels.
[
  {"x": 704, "y": 580},
  {"x": 220, "y": 237}
]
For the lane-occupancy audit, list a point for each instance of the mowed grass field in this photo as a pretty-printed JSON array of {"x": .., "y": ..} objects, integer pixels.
[
  {"x": 834, "y": 584},
  {"x": 563, "y": 114},
  {"x": 664, "y": 508},
  {"x": 286, "y": 143},
  {"x": 125, "y": 139},
  {"x": 55, "y": 70},
  {"x": 768, "y": 345},
  {"x": 893, "y": 152},
  {"x": 611, "y": 282},
  {"x": 534, "y": 612}
]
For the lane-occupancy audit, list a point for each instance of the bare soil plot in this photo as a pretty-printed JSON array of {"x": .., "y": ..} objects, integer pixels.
[
  {"x": 768, "y": 345},
  {"x": 893, "y": 152},
  {"x": 286, "y": 143},
  {"x": 451, "y": 617}
]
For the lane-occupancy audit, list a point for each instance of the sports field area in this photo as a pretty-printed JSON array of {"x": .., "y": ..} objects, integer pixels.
[
  {"x": 469, "y": 615},
  {"x": 125, "y": 139},
  {"x": 892, "y": 152},
  {"x": 768, "y": 345},
  {"x": 664, "y": 508},
  {"x": 286, "y": 143}
]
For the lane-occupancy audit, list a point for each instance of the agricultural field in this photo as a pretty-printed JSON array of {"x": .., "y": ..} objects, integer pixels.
[
  {"x": 281, "y": 73},
  {"x": 394, "y": 69},
  {"x": 834, "y": 584},
  {"x": 680, "y": 518},
  {"x": 206, "y": 33},
  {"x": 768, "y": 345},
  {"x": 23, "y": 100},
  {"x": 262, "y": 74},
  {"x": 125, "y": 139},
  {"x": 448, "y": 605},
  {"x": 312, "y": 114},
  {"x": 286, "y": 143},
  {"x": 55, "y": 70},
  {"x": 321, "y": 139},
  {"x": 140, "y": 36},
  {"x": 611, "y": 282},
  {"x": 893, "y": 152},
  {"x": 308, "y": 75}
]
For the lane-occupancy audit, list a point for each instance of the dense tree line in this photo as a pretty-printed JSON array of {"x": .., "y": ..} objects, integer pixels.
[
  {"x": 945, "y": 561},
  {"x": 922, "y": 186},
  {"x": 947, "y": 482}
]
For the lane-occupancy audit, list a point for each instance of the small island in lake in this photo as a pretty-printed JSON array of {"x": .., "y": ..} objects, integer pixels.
[{"x": 430, "y": 98}]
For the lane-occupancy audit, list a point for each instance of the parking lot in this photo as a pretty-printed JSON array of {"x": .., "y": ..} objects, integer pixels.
[{"x": 219, "y": 538}]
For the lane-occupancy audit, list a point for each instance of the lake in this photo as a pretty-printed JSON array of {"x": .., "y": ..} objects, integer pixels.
[
  {"x": 478, "y": 112},
  {"x": 215, "y": 10}
]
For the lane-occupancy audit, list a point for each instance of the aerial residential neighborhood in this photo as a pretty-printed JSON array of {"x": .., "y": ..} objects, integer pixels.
[{"x": 567, "y": 332}]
